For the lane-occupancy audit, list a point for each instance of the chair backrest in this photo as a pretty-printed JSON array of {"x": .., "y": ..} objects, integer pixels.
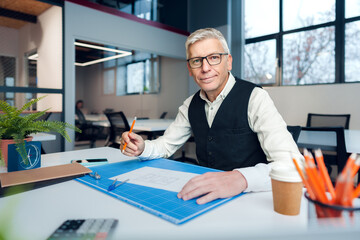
[
  {"x": 118, "y": 124},
  {"x": 341, "y": 154},
  {"x": 163, "y": 115},
  {"x": 295, "y": 132},
  {"x": 328, "y": 120},
  {"x": 44, "y": 117},
  {"x": 80, "y": 116}
]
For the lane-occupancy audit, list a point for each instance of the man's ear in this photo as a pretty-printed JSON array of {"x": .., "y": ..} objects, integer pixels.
[
  {"x": 229, "y": 62},
  {"x": 189, "y": 69}
]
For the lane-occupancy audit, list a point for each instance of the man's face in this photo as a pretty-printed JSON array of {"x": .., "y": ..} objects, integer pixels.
[{"x": 211, "y": 79}]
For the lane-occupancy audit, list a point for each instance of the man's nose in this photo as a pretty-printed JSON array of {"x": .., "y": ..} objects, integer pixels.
[{"x": 205, "y": 65}]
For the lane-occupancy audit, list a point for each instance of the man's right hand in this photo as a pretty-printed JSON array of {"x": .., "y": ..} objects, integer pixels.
[{"x": 135, "y": 144}]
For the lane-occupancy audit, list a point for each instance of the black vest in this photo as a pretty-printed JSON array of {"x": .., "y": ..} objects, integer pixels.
[{"x": 229, "y": 143}]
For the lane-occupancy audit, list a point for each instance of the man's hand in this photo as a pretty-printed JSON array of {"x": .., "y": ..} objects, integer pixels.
[
  {"x": 213, "y": 185},
  {"x": 135, "y": 144}
]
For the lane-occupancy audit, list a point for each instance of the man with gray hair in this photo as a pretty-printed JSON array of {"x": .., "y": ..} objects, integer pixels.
[{"x": 234, "y": 122}]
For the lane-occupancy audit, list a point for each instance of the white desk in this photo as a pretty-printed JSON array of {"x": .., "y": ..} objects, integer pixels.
[
  {"x": 149, "y": 125},
  {"x": 37, "y": 213},
  {"x": 327, "y": 140},
  {"x": 42, "y": 137}
]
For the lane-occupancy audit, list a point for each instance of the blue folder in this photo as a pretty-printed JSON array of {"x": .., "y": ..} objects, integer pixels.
[{"x": 159, "y": 202}]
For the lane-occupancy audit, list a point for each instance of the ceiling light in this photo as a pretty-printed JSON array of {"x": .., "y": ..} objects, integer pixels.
[
  {"x": 120, "y": 54},
  {"x": 33, "y": 56}
]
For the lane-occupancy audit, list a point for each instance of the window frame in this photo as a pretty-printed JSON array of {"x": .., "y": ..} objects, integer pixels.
[{"x": 339, "y": 24}]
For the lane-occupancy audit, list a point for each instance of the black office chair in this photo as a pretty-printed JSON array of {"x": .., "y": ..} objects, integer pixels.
[
  {"x": 118, "y": 125},
  {"x": 183, "y": 157},
  {"x": 339, "y": 156},
  {"x": 295, "y": 132},
  {"x": 163, "y": 115},
  {"x": 328, "y": 120},
  {"x": 89, "y": 132}
]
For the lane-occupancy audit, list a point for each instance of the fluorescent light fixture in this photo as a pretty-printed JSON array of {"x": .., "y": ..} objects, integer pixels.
[
  {"x": 34, "y": 56},
  {"x": 120, "y": 54}
]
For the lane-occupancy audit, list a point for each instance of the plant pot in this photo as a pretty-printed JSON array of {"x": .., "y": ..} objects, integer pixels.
[{"x": 4, "y": 147}]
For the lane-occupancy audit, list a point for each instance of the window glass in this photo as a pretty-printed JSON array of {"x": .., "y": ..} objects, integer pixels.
[
  {"x": 143, "y": 9},
  {"x": 135, "y": 77},
  {"x": 261, "y": 17},
  {"x": 304, "y": 13},
  {"x": 309, "y": 57},
  {"x": 121, "y": 81},
  {"x": 352, "y": 51},
  {"x": 109, "y": 81},
  {"x": 352, "y": 8},
  {"x": 7, "y": 71},
  {"x": 260, "y": 62}
]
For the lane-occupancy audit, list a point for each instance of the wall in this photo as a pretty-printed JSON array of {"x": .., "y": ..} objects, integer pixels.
[
  {"x": 295, "y": 102},
  {"x": 174, "y": 86},
  {"x": 117, "y": 31},
  {"x": 46, "y": 37}
]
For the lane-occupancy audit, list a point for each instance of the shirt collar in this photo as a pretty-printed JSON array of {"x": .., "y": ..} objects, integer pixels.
[{"x": 229, "y": 85}]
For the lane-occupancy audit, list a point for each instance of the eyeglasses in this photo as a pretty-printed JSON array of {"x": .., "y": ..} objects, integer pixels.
[{"x": 212, "y": 59}]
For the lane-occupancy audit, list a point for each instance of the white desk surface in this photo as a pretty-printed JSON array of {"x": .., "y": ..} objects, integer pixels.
[
  {"x": 150, "y": 125},
  {"x": 37, "y": 213},
  {"x": 42, "y": 137},
  {"x": 327, "y": 140}
]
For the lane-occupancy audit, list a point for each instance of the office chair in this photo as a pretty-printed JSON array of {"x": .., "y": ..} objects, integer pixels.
[
  {"x": 328, "y": 120},
  {"x": 162, "y": 116},
  {"x": 183, "y": 157},
  {"x": 118, "y": 125},
  {"x": 89, "y": 132},
  {"x": 337, "y": 157},
  {"x": 295, "y": 132}
]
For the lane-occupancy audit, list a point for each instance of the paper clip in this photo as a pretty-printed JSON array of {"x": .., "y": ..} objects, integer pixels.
[
  {"x": 95, "y": 175},
  {"x": 114, "y": 185}
]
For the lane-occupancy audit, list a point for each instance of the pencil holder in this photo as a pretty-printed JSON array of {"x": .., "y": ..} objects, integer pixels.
[{"x": 335, "y": 215}]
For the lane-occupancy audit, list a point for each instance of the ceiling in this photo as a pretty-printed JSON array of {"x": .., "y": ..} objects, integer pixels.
[{"x": 17, "y": 13}]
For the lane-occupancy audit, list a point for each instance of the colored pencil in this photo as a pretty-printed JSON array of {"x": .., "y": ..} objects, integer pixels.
[
  {"x": 324, "y": 173},
  {"x": 306, "y": 183}
]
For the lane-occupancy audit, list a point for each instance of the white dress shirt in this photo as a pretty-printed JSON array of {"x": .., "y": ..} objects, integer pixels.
[{"x": 264, "y": 119}]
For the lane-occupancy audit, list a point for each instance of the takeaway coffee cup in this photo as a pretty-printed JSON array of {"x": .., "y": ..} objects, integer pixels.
[{"x": 286, "y": 188}]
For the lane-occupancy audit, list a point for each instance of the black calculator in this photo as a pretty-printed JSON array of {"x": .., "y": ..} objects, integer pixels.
[{"x": 92, "y": 229}]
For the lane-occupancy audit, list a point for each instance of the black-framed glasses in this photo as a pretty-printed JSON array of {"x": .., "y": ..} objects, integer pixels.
[{"x": 212, "y": 59}]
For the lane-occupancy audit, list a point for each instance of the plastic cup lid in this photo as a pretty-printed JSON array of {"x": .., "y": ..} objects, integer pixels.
[{"x": 285, "y": 173}]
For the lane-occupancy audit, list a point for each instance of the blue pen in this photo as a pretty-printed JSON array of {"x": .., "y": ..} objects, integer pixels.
[{"x": 114, "y": 185}]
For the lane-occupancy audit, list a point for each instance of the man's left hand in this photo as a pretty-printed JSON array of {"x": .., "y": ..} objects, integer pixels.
[{"x": 213, "y": 185}]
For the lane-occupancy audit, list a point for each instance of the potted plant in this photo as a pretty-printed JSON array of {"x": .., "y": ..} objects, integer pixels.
[{"x": 15, "y": 127}]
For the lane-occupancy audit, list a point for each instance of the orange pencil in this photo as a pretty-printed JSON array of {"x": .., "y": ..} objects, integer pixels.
[
  {"x": 324, "y": 173},
  {"x": 306, "y": 183},
  {"x": 132, "y": 126},
  {"x": 316, "y": 172},
  {"x": 346, "y": 199},
  {"x": 349, "y": 164},
  {"x": 315, "y": 183}
]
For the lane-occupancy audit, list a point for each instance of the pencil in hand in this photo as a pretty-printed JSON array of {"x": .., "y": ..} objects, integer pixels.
[{"x": 132, "y": 126}]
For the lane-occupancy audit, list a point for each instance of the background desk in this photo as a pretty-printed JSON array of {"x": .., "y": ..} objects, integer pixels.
[
  {"x": 37, "y": 213},
  {"x": 327, "y": 140}
]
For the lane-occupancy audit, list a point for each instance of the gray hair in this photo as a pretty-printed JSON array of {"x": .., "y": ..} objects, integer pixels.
[{"x": 205, "y": 33}]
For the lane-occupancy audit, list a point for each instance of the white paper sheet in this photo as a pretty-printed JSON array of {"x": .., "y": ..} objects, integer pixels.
[{"x": 157, "y": 178}]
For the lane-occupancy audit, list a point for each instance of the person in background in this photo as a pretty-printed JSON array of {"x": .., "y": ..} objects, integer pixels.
[{"x": 236, "y": 126}]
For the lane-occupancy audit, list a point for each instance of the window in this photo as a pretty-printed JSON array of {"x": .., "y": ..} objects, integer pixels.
[{"x": 298, "y": 42}]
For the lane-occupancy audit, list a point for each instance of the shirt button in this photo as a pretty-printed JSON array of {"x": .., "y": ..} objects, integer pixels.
[{"x": 210, "y": 139}]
